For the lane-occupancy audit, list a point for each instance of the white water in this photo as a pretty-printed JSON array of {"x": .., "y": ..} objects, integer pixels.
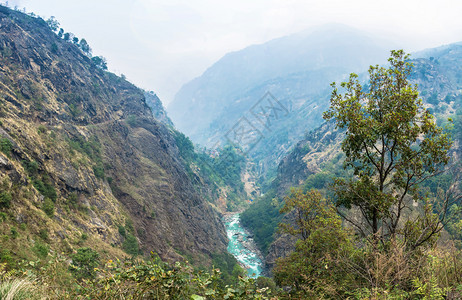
[{"x": 242, "y": 247}]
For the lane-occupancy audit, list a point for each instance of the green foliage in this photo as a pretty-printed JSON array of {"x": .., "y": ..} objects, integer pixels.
[
  {"x": 43, "y": 234},
  {"x": 100, "y": 62},
  {"x": 90, "y": 147},
  {"x": 84, "y": 263},
  {"x": 53, "y": 23},
  {"x": 54, "y": 48},
  {"x": 48, "y": 207},
  {"x": 392, "y": 144},
  {"x": 14, "y": 232},
  {"x": 222, "y": 170},
  {"x": 41, "y": 250},
  {"x": 156, "y": 280},
  {"x": 313, "y": 267},
  {"x": 85, "y": 47},
  {"x": 130, "y": 245},
  {"x": 228, "y": 266},
  {"x": 41, "y": 129},
  {"x": 122, "y": 231},
  {"x": 98, "y": 170},
  {"x": 5, "y": 199},
  {"x": 6, "y": 146},
  {"x": 45, "y": 187},
  {"x": 131, "y": 120},
  {"x": 263, "y": 218},
  {"x": 31, "y": 167},
  {"x": 229, "y": 165},
  {"x": 72, "y": 199}
]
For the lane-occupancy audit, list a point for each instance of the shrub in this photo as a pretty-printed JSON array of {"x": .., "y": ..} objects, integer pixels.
[
  {"x": 130, "y": 245},
  {"x": 98, "y": 170},
  {"x": 84, "y": 263},
  {"x": 31, "y": 167},
  {"x": 5, "y": 199},
  {"x": 6, "y": 146},
  {"x": 43, "y": 234},
  {"x": 14, "y": 232},
  {"x": 41, "y": 249},
  {"x": 45, "y": 188},
  {"x": 48, "y": 207}
]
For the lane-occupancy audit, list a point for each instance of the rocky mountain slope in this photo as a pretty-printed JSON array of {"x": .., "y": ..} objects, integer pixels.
[{"x": 84, "y": 162}]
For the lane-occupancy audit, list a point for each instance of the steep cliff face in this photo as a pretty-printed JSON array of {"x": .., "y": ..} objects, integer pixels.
[
  {"x": 84, "y": 142},
  {"x": 158, "y": 110}
]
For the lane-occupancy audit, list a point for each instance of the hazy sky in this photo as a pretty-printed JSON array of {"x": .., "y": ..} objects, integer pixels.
[{"x": 159, "y": 45}]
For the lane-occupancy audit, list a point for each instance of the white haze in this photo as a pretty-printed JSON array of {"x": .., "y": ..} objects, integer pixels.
[{"x": 160, "y": 45}]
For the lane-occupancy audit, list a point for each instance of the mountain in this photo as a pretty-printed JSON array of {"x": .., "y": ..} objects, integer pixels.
[
  {"x": 157, "y": 108},
  {"x": 317, "y": 157},
  {"x": 295, "y": 69},
  {"x": 85, "y": 162}
]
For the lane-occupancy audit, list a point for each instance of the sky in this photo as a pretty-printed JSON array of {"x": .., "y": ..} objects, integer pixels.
[{"x": 160, "y": 45}]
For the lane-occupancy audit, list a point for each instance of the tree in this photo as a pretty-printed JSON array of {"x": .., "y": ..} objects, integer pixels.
[
  {"x": 314, "y": 267},
  {"x": 85, "y": 47},
  {"x": 53, "y": 23},
  {"x": 75, "y": 40},
  {"x": 100, "y": 62},
  {"x": 61, "y": 33},
  {"x": 392, "y": 144}
]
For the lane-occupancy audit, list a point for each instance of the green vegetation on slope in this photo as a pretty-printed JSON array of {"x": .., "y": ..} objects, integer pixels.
[{"x": 221, "y": 171}]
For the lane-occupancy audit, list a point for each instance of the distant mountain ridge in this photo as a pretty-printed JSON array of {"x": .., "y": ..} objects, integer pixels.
[{"x": 296, "y": 69}]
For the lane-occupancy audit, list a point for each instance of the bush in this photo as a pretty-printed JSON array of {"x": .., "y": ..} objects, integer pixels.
[
  {"x": 130, "y": 245},
  {"x": 45, "y": 188},
  {"x": 6, "y": 146},
  {"x": 14, "y": 232},
  {"x": 5, "y": 199},
  {"x": 43, "y": 234},
  {"x": 48, "y": 207},
  {"x": 31, "y": 167},
  {"x": 84, "y": 263},
  {"x": 41, "y": 250},
  {"x": 98, "y": 170}
]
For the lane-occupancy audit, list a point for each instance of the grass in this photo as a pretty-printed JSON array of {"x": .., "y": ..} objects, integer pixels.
[{"x": 18, "y": 289}]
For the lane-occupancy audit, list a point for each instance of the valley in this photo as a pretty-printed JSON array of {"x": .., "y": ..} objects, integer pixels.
[{"x": 262, "y": 179}]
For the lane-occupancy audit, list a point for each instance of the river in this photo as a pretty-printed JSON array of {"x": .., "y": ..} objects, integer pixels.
[{"x": 242, "y": 246}]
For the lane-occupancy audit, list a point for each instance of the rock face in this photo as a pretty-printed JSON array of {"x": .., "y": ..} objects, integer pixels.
[
  {"x": 157, "y": 108},
  {"x": 90, "y": 135}
]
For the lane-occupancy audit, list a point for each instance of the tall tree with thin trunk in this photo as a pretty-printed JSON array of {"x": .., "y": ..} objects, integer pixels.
[{"x": 392, "y": 144}]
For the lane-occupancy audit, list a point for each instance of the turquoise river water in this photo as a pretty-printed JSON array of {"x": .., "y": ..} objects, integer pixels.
[{"x": 242, "y": 246}]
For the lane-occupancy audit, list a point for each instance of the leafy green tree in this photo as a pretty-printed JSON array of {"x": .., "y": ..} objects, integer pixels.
[
  {"x": 100, "y": 62},
  {"x": 75, "y": 40},
  {"x": 85, "y": 47},
  {"x": 314, "y": 267},
  {"x": 393, "y": 144},
  {"x": 53, "y": 23}
]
